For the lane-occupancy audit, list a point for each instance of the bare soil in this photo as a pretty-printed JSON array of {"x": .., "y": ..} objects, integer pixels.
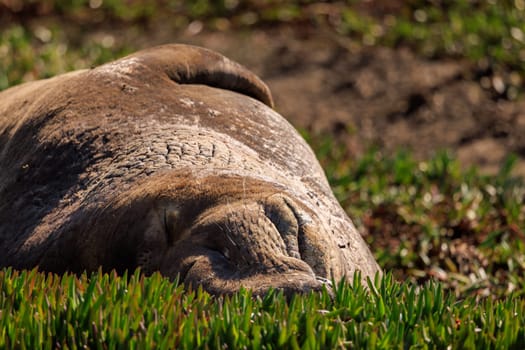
[{"x": 378, "y": 96}]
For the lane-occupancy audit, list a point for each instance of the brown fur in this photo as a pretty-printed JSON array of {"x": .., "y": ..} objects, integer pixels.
[{"x": 162, "y": 160}]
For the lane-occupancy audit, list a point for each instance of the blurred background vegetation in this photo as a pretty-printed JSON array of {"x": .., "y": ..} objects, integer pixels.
[
  {"x": 429, "y": 219},
  {"x": 490, "y": 33}
]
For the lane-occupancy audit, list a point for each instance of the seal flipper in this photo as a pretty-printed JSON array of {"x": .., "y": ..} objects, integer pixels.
[{"x": 186, "y": 64}]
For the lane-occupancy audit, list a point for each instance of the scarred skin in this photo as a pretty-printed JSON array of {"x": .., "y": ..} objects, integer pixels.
[{"x": 173, "y": 160}]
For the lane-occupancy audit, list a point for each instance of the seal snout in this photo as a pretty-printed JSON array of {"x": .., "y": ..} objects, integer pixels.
[
  {"x": 255, "y": 244},
  {"x": 258, "y": 234}
]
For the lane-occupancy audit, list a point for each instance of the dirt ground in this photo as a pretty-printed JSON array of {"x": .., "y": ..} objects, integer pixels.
[{"x": 377, "y": 96}]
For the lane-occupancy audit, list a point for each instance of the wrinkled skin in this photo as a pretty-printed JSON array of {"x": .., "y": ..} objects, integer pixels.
[{"x": 171, "y": 160}]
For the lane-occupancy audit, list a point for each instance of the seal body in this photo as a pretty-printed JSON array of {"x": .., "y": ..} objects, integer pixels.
[{"x": 172, "y": 160}]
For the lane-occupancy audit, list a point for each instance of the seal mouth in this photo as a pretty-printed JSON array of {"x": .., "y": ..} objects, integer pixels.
[
  {"x": 217, "y": 275},
  {"x": 290, "y": 281}
]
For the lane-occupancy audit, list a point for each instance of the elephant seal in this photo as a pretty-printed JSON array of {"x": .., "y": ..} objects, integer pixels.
[{"x": 172, "y": 160}]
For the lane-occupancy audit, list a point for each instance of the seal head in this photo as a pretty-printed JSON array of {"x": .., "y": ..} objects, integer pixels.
[{"x": 173, "y": 160}]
